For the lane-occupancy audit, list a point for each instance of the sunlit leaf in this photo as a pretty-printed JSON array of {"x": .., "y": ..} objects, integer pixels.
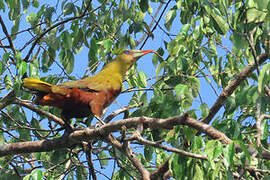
[
  {"x": 264, "y": 77},
  {"x": 170, "y": 16}
]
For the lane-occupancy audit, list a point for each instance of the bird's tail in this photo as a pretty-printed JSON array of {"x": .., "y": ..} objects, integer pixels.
[{"x": 36, "y": 85}]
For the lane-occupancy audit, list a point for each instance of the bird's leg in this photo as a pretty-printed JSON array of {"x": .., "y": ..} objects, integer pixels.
[{"x": 68, "y": 128}]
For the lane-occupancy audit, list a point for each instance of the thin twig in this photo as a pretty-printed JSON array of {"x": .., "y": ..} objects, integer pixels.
[
  {"x": 7, "y": 35},
  {"x": 167, "y": 4},
  {"x": 141, "y": 140}
]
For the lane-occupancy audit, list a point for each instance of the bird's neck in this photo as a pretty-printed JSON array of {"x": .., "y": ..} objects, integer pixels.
[{"x": 116, "y": 68}]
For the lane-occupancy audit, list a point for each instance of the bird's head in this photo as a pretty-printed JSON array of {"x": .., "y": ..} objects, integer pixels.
[{"x": 129, "y": 57}]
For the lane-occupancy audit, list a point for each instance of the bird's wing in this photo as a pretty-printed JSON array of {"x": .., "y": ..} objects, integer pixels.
[
  {"x": 88, "y": 84},
  {"x": 99, "y": 82}
]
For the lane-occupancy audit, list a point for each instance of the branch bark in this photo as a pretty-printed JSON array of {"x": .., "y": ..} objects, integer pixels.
[
  {"x": 87, "y": 134},
  {"x": 7, "y": 100}
]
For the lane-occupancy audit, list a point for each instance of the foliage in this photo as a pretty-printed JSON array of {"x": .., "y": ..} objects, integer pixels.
[{"x": 203, "y": 52}]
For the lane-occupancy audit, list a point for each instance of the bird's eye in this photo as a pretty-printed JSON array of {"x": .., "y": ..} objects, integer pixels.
[{"x": 126, "y": 52}]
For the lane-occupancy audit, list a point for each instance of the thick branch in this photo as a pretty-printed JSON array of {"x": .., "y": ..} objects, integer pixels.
[
  {"x": 7, "y": 100},
  {"x": 87, "y": 134},
  {"x": 229, "y": 89}
]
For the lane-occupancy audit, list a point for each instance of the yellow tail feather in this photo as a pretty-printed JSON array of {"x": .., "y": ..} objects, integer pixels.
[{"x": 36, "y": 85}]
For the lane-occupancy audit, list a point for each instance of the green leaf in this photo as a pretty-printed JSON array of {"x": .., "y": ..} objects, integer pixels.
[
  {"x": 210, "y": 150},
  {"x": 160, "y": 67},
  {"x": 265, "y": 129},
  {"x": 229, "y": 152},
  {"x": 27, "y": 177},
  {"x": 204, "y": 110},
  {"x": 15, "y": 27},
  {"x": 17, "y": 88},
  {"x": 32, "y": 19},
  {"x": 262, "y": 4},
  {"x": 170, "y": 16},
  {"x": 199, "y": 173},
  {"x": 33, "y": 70},
  {"x": 217, "y": 19},
  {"x": 1, "y": 68},
  {"x": 58, "y": 156},
  {"x": 264, "y": 78},
  {"x": 174, "y": 164},
  {"x": 185, "y": 28},
  {"x": 22, "y": 67},
  {"x": 81, "y": 173},
  {"x": 144, "y": 5},
  {"x": 239, "y": 41},
  {"x": 255, "y": 16},
  {"x": 2, "y": 5},
  {"x": 2, "y": 138},
  {"x": 35, "y": 123},
  {"x": 26, "y": 4},
  {"x": 103, "y": 158},
  {"x": 178, "y": 4},
  {"x": 245, "y": 150},
  {"x": 181, "y": 90},
  {"x": 107, "y": 45},
  {"x": 66, "y": 40},
  {"x": 154, "y": 59},
  {"x": 14, "y": 9},
  {"x": 36, "y": 174},
  {"x": 67, "y": 60},
  {"x": 230, "y": 105},
  {"x": 48, "y": 13},
  {"x": 8, "y": 82},
  {"x": 142, "y": 79},
  {"x": 35, "y": 3},
  {"x": 148, "y": 152},
  {"x": 69, "y": 8}
]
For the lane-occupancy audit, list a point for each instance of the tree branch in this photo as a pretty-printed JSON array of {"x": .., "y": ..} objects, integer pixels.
[
  {"x": 259, "y": 130},
  {"x": 167, "y": 4},
  {"x": 87, "y": 134},
  {"x": 7, "y": 100},
  {"x": 103, "y": 131},
  {"x": 39, "y": 111},
  {"x": 7, "y": 35},
  {"x": 141, "y": 140},
  {"x": 229, "y": 89}
]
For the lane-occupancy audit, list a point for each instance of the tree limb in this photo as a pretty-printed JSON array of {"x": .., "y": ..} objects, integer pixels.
[{"x": 7, "y": 100}]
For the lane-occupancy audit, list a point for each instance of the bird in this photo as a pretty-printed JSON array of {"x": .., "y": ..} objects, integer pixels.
[{"x": 87, "y": 96}]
